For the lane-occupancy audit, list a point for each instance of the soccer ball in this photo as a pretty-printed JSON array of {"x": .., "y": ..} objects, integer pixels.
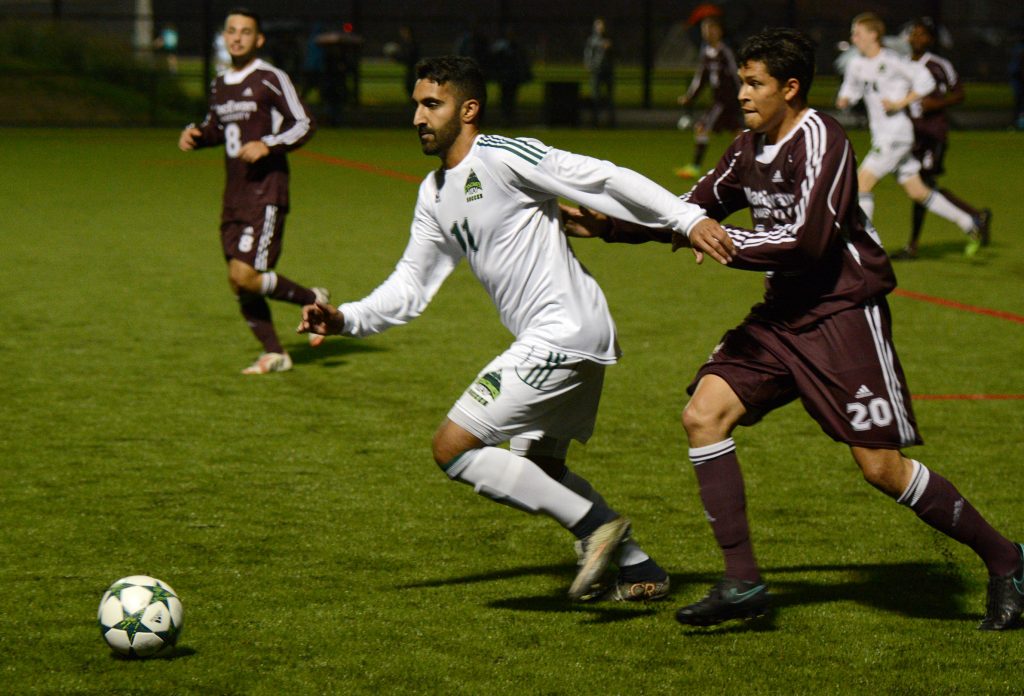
[{"x": 139, "y": 616}]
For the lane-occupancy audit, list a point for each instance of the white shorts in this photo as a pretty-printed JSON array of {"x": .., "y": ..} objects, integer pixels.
[
  {"x": 887, "y": 158},
  {"x": 539, "y": 399}
]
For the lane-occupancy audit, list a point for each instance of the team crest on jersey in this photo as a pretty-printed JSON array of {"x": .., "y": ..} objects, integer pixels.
[
  {"x": 486, "y": 388},
  {"x": 474, "y": 189}
]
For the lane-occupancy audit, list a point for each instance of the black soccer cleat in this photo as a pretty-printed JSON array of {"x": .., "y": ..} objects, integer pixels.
[
  {"x": 1005, "y": 599},
  {"x": 984, "y": 224},
  {"x": 728, "y": 599}
]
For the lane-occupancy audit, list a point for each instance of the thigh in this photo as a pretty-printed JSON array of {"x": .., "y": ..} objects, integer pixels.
[
  {"x": 532, "y": 394},
  {"x": 254, "y": 236},
  {"x": 850, "y": 379},
  {"x": 885, "y": 158},
  {"x": 746, "y": 359}
]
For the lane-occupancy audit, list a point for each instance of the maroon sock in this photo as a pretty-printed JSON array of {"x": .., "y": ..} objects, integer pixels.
[
  {"x": 286, "y": 290},
  {"x": 939, "y": 504},
  {"x": 960, "y": 203},
  {"x": 257, "y": 315},
  {"x": 725, "y": 506}
]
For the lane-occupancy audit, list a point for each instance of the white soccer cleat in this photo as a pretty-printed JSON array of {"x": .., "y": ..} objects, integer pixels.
[
  {"x": 323, "y": 296},
  {"x": 269, "y": 362},
  {"x": 599, "y": 548}
]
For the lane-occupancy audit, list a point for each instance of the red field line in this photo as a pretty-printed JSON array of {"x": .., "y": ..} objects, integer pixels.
[
  {"x": 952, "y": 304},
  {"x": 968, "y": 397},
  {"x": 360, "y": 166}
]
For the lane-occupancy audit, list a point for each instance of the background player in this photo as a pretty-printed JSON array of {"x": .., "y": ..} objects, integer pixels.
[
  {"x": 822, "y": 334},
  {"x": 256, "y": 114},
  {"x": 717, "y": 69},
  {"x": 888, "y": 84},
  {"x": 494, "y": 202},
  {"x": 931, "y": 130}
]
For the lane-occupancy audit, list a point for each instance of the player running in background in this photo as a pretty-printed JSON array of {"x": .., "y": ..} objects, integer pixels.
[
  {"x": 494, "y": 202},
  {"x": 889, "y": 84},
  {"x": 717, "y": 69},
  {"x": 931, "y": 130},
  {"x": 822, "y": 334},
  {"x": 256, "y": 114}
]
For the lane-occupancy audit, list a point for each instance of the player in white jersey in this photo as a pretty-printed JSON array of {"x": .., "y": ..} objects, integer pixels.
[
  {"x": 494, "y": 202},
  {"x": 888, "y": 84}
]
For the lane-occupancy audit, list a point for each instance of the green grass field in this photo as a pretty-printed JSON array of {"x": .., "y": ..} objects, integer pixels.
[{"x": 316, "y": 547}]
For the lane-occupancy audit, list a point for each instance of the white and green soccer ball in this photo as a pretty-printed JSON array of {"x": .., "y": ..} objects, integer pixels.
[{"x": 140, "y": 616}]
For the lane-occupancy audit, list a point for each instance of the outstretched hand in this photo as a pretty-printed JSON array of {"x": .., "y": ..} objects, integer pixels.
[
  {"x": 320, "y": 318},
  {"x": 583, "y": 222},
  {"x": 707, "y": 237}
]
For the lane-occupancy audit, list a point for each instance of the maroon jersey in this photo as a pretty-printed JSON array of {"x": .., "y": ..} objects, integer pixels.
[
  {"x": 256, "y": 103},
  {"x": 809, "y": 234},
  {"x": 934, "y": 124},
  {"x": 718, "y": 71}
]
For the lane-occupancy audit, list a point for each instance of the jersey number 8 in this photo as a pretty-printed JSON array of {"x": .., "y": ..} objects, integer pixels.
[{"x": 232, "y": 139}]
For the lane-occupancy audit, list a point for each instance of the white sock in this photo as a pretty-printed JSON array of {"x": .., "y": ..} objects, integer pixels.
[
  {"x": 516, "y": 481},
  {"x": 630, "y": 552},
  {"x": 941, "y": 206},
  {"x": 268, "y": 282},
  {"x": 867, "y": 204}
]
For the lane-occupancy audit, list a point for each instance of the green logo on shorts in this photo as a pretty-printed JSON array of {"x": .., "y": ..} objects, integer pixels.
[{"x": 487, "y": 388}]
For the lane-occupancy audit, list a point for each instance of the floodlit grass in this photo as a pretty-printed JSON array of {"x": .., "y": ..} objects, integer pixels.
[{"x": 314, "y": 544}]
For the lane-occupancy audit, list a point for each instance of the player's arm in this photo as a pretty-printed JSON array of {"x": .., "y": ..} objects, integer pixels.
[
  {"x": 921, "y": 84},
  {"x": 696, "y": 83},
  {"x": 851, "y": 90},
  {"x": 590, "y": 224},
  {"x": 953, "y": 94},
  {"x": 600, "y": 185},
  {"x": 428, "y": 259},
  {"x": 206, "y": 134},
  {"x": 297, "y": 125}
]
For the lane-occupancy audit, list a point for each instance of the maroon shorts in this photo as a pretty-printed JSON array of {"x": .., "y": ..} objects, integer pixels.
[
  {"x": 254, "y": 237},
  {"x": 931, "y": 153},
  {"x": 843, "y": 368}
]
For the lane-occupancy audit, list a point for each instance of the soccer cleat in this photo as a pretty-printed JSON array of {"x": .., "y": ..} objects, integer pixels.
[
  {"x": 904, "y": 254},
  {"x": 984, "y": 223},
  {"x": 1005, "y": 599},
  {"x": 598, "y": 550},
  {"x": 323, "y": 296},
  {"x": 625, "y": 591},
  {"x": 973, "y": 242},
  {"x": 690, "y": 171},
  {"x": 269, "y": 362},
  {"x": 728, "y": 599}
]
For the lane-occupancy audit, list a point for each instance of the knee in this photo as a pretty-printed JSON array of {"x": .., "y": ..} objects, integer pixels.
[
  {"x": 702, "y": 420},
  {"x": 886, "y": 470},
  {"x": 244, "y": 279}
]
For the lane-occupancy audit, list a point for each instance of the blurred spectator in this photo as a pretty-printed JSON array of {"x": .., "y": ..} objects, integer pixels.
[
  {"x": 341, "y": 64},
  {"x": 407, "y": 52},
  {"x": 599, "y": 59},
  {"x": 474, "y": 44},
  {"x": 1017, "y": 79},
  {"x": 313, "y": 61},
  {"x": 717, "y": 71},
  {"x": 511, "y": 68},
  {"x": 167, "y": 44},
  {"x": 221, "y": 57}
]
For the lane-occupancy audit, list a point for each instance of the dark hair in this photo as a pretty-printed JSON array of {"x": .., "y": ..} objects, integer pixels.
[
  {"x": 786, "y": 53},
  {"x": 246, "y": 12},
  {"x": 926, "y": 23},
  {"x": 462, "y": 73}
]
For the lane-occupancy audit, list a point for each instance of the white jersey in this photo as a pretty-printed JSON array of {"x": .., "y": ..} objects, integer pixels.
[
  {"x": 891, "y": 76},
  {"x": 498, "y": 209}
]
